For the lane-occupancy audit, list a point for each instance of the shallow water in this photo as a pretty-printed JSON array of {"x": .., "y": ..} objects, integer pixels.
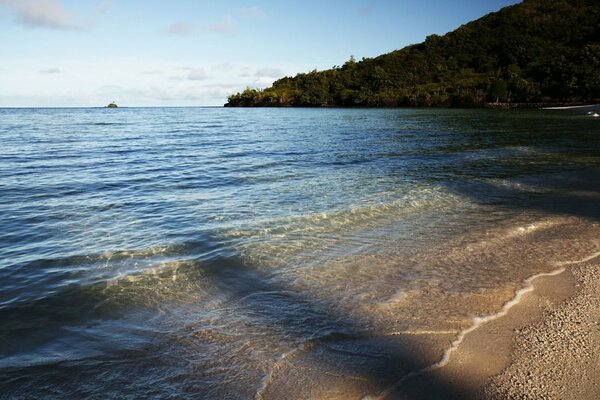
[{"x": 272, "y": 253}]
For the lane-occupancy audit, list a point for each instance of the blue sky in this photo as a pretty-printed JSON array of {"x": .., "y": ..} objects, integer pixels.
[{"x": 172, "y": 53}]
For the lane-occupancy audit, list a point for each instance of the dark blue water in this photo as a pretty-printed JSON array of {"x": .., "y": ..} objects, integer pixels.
[{"x": 185, "y": 252}]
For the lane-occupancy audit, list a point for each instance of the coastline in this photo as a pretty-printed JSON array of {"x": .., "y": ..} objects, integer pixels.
[
  {"x": 553, "y": 105},
  {"x": 513, "y": 354},
  {"x": 557, "y": 357},
  {"x": 482, "y": 356}
]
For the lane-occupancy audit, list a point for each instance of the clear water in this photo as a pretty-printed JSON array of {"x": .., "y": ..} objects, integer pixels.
[{"x": 272, "y": 253}]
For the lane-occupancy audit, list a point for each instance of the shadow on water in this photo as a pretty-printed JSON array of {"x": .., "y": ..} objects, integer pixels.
[
  {"x": 333, "y": 343},
  {"x": 572, "y": 193},
  {"x": 336, "y": 354}
]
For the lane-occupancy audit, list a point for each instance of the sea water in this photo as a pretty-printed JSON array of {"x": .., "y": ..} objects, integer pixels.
[{"x": 211, "y": 253}]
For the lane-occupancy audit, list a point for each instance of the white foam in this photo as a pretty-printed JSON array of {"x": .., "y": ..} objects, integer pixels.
[
  {"x": 569, "y": 107},
  {"x": 477, "y": 322},
  {"x": 525, "y": 230},
  {"x": 420, "y": 332},
  {"x": 591, "y": 257}
]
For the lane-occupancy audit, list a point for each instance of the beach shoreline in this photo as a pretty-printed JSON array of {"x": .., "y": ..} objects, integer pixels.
[
  {"x": 557, "y": 357},
  {"x": 541, "y": 344}
]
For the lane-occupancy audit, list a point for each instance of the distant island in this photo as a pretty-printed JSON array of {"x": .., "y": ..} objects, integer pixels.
[
  {"x": 112, "y": 105},
  {"x": 537, "y": 52}
]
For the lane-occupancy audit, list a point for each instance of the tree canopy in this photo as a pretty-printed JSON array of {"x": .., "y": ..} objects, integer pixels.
[{"x": 535, "y": 51}]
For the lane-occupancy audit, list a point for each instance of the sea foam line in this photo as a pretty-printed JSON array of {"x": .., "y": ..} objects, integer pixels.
[
  {"x": 591, "y": 257},
  {"x": 419, "y": 332},
  {"x": 477, "y": 322}
]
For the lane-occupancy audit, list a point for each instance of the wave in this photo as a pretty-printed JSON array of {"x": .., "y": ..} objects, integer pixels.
[
  {"x": 52, "y": 278},
  {"x": 357, "y": 216}
]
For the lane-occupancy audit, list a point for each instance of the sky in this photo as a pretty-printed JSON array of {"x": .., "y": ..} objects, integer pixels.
[{"x": 78, "y": 53}]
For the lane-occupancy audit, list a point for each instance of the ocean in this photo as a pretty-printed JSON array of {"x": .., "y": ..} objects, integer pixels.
[{"x": 221, "y": 253}]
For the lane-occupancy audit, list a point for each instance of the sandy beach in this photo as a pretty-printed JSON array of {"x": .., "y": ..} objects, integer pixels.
[
  {"x": 557, "y": 357},
  {"x": 541, "y": 345}
]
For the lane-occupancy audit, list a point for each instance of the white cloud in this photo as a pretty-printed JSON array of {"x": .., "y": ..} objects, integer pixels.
[
  {"x": 263, "y": 82},
  {"x": 224, "y": 86},
  {"x": 269, "y": 73},
  {"x": 226, "y": 26},
  {"x": 186, "y": 93},
  {"x": 263, "y": 77},
  {"x": 181, "y": 28},
  {"x": 50, "y": 71},
  {"x": 254, "y": 12},
  {"x": 130, "y": 81},
  {"x": 41, "y": 13},
  {"x": 194, "y": 74},
  {"x": 197, "y": 74}
]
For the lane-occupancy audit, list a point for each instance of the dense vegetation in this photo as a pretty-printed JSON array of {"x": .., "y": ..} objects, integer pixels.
[{"x": 535, "y": 51}]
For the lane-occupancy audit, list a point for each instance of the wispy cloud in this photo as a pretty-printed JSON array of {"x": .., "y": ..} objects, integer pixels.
[
  {"x": 197, "y": 74},
  {"x": 254, "y": 12},
  {"x": 269, "y": 73},
  {"x": 185, "y": 93},
  {"x": 128, "y": 80},
  {"x": 41, "y": 14},
  {"x": 246, "y": 72},
  {"x": 194, "y": 74},
  {"x": 225, "y": 26},
  {"x": 181, "y": 28},
  {"x": 364, "y": 11},
  {"x": 100, "y": 9},
  {"x": 50, "y": 71},
  {"x": 221, "y": 85},
  {"x": 223, "y": 67},
  {"x": 266, "y": 76},
  {"x": 262, "y": 75}
]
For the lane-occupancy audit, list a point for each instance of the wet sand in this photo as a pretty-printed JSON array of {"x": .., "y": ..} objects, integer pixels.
[
  {"x": 557, "y": 357},
  {"x": 515, "y": 341},
  {"x": 543, "y": 344}
]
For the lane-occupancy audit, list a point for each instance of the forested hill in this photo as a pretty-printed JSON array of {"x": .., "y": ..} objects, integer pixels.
[{"x": 535, "y": 51}]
